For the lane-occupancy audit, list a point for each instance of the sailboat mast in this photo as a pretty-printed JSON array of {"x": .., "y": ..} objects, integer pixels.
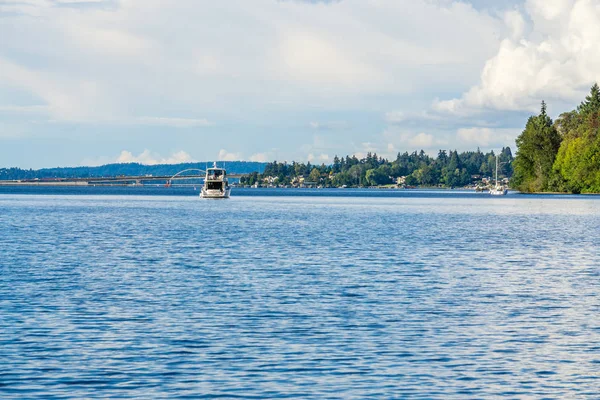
[{"x": 496, "y": 170}]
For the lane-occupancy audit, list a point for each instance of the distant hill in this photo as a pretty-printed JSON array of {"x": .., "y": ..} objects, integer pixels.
[{"x": 129, "y": 169}]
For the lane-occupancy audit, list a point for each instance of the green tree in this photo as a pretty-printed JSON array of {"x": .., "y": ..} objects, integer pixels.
[
  {"x": 378, "y": 176},
  {"x": 356, "y": 174},
  {"x": 337, "y": 165},
  {"x": 314, "y": 176},
  {"x": 591, "y": 103},
  {"x": 411, "y": 180},
  {"x": 537, "y": 147},
  {"x": 578, "y": 161}
]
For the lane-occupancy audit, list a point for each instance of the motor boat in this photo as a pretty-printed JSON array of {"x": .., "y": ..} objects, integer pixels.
[{"x": 216, "y": 185}]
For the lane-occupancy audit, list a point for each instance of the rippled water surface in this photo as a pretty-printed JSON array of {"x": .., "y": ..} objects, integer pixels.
[{"x": 425, "y": 295}]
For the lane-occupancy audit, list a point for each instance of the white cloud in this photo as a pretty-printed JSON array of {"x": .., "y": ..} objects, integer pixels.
[
  {"x": 94, "y": 39},
  {"x": 33, "y": 109},
  {"x": 260, "y": 157},
  {"x": 224, "y": 155},
  {"x": 298, "y": 52},
  {"x": 557, "y": 58},
  {"x": 175, "y": 122},
  {"x": 148, "y": 158},
  {"x": 421, "y": 140},
  {"x": 64, "y": 100},
  {"x": 368, "y": 147},
  {"x": 78, "y": 1},
  {"x": 399, "y": 117},
  {"x": 37, "y": 8},
  {"x": 486, "y": 137},
  {"x": 328, "y": 125},
  {"x": 320, "y": 148},
  {"x": 394, "y": 140},
  {"x": 116, "y": 65},
  {"x": 361, "y": 150},
  {"x": 543, "y": 12},
  {"x": 516, "y": 23},
  {"x": 395, "y": 116},
  {"x": 322, "y": 158},
  {"x": 208, "y": 64},
  {"x": 179, "y": 157},
  {"x": 479, "y": 136},
  {"x": 315, "y": 58}
]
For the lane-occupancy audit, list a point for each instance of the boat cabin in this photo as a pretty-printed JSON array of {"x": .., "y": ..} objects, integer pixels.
[
  {"x": 215, "y": 174},
  {"x": 215, "y": 179},
  {"x": 216, "y": 185}
]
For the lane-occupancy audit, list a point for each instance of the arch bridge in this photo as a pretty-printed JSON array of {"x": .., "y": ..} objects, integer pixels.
[
  {"x": 180, "y": 175},
  {"x": 121, "y": 179},
  {"x": 136, "y": 179}
]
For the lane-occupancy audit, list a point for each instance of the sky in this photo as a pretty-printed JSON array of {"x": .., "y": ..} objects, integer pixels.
[{"x": 90, "y": 82}]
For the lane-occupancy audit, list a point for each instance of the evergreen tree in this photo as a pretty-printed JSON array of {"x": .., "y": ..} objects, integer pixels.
[
  {"x": 336, "y": 165},
  {"x": 592, "y": 101},
  {"x": 442, "y": 157},
  {"x": 537, "y": 147}
]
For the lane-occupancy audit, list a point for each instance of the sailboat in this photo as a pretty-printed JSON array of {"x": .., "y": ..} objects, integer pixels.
[{"x": 498, "y": 190}]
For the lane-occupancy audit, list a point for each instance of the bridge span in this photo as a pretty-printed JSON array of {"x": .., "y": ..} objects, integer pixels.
[{"x": 114, "y": 180}]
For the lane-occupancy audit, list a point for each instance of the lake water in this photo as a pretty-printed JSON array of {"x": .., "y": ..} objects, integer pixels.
[{"x": 123, "y": 293}]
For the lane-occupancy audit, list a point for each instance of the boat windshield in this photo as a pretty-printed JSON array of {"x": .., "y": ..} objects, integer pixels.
[{"x": 215, "y": 173}]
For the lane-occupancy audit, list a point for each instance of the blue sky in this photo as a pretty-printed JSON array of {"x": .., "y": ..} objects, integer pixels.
[{"x": 87, "y": 82}]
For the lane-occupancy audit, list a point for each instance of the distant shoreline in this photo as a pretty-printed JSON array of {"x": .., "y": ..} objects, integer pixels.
[
  {"x": 79, "y": 184},
  {"x": 94, "y": 185},
  {"x": 380, "y": 188}
]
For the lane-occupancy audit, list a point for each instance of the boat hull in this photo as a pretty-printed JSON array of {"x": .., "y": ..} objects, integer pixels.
[
  {"x": 215, "y": 194},
  {"x": 501, "y": 192}
]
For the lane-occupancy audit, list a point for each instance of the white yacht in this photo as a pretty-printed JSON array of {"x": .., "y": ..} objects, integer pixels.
[
  {"x": 216, "y": 185},
  {"x": 498, "y": 190}
]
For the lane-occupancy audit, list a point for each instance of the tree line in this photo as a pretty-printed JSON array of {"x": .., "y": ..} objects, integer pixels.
[
  {"x": 561, "y": 155},
  {"x": 127, "y": 169},
  {"x": 448, "y": 169}
]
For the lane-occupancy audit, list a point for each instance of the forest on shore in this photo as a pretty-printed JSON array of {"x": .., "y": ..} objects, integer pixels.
[
  {"x": 448, "y": 169},
  {"x": 561, "y": 155}
]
